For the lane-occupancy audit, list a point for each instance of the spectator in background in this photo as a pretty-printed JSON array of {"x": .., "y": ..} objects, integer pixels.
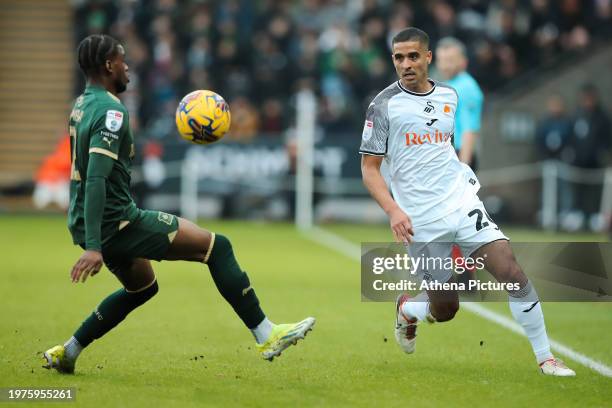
[
  {"x": 588, "y": 145},
  {"x": 486, "y": 65},
  {"x": 552, "y": 137},
  {"x": 52, "y": 181},
  {"x": 451, "y": 63},
  {"x": 572, "y": 20},
  {"x": 245, "y": 120},
  {"x": 272, "y": 117},
  {"x": 264, "y": 49},
  {"x": 602, "y": 18},
  {"x": 544, "y": 32},
  {"x": 442, "y": 21},
  {"x": 554, "y": 129}
]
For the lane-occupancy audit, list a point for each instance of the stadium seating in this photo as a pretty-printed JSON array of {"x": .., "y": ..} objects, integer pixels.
[{"x": 36, "y": 62}]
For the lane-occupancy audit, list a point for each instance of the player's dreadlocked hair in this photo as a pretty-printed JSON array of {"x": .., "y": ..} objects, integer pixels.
[{"x": 93, "y": 52}]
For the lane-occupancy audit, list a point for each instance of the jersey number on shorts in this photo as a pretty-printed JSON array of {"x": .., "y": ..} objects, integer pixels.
[{"x": 479, "y": 215}]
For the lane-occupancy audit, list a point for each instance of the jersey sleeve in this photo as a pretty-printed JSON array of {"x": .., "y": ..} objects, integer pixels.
[
  {"x": 471, "y": 109},
  {"x": 375, "y": 130},
  {"x": 107, "y": 130}
]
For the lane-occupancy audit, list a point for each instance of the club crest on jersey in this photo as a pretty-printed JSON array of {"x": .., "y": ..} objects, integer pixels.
[
  {"x": 165, "y": 217},
  {"x": 114, "y": 120},
  {"x": 429, "y": 108}
]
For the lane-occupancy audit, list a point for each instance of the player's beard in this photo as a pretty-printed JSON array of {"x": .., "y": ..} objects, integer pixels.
[{"x": 120, "y": 86}]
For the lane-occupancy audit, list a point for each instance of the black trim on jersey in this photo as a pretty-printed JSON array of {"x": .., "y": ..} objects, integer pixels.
[
  {"x": 445, "y": 85},
  {"x": 431, "y": 81},
  {"x": 371, "y": 153}
]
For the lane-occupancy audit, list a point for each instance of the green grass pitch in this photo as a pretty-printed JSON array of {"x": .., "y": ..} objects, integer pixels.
[{"x": 350, "y": 359}]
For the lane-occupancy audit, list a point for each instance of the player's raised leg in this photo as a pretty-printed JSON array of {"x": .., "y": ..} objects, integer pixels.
[
  {"x": 139, "y": 285},
  {"x": 193, "y": 243},
  {"x": 524, "y": 303},
  {"x": 432, "y": 305},
  {"x": 427, "y": 306}
]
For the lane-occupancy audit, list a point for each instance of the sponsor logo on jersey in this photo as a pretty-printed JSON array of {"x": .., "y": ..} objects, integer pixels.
[
  {"x": 114, "y": 120},
  {"x": 109, "y": 134},
  {"x": 413, "y": 138}
]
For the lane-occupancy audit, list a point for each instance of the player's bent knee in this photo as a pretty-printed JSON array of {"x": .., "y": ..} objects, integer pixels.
[
  {"x": 443, "y": 312},
  {"x": 446, "y": 315},
  {"x": 191, "y": 243},
  {"x": 512, "y": 273},
  {"x": 221, "y": 246},
  {"x": 516, "y": 272},
  {"x": 143, "y": 295}
]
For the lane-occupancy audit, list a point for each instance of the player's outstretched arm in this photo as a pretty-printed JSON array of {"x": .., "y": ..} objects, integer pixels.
[
  {"x": 400, "y": 222},
  {"x": 90, "y": 263}
]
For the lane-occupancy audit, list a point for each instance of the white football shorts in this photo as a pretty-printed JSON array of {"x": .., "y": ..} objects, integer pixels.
[{"x": 469, "y": 226}]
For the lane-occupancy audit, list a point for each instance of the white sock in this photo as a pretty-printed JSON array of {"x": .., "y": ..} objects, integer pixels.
[
  {"x": 263, "y": 330},
  {"x": 527, "y": 311},
  {"x": 72, "y": 348},
  {"x": 418, "y": 307}
]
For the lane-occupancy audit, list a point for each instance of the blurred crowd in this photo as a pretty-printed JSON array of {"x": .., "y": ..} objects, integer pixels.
[
  {"x": 257, "y": 53},
  {"x": 581, "y": 139}
]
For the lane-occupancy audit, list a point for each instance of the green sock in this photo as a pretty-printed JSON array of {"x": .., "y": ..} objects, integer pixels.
[
  {"x": 233, "y": 283},
  {"x": 111, "y": 312}
]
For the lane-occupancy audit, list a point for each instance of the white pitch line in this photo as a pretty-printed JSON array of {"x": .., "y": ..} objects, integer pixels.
[
  {"x": 335, "y": 242},
  {"x": 353, "y": 251},
  {"x": 561, "y": 348}
]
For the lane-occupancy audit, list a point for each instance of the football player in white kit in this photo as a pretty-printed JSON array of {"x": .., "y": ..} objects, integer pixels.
[{"x": 433, "y": 197}]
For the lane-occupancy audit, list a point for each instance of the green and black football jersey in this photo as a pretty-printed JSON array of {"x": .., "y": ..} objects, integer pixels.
[{"x": 99, "y": 124}]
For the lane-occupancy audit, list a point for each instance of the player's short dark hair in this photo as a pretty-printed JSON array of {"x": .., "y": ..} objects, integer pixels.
[
  {"x": 411, "y": 34},
  {"x": 94, "y": 50}
]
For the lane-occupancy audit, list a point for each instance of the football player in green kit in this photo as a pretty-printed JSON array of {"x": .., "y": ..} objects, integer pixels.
[{"x": 104, "y": 220}]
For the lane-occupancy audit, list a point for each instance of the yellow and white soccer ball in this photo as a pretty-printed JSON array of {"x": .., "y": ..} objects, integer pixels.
[{"x": 203, "y": 117}]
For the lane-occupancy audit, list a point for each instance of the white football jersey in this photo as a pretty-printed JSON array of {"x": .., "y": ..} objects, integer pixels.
[{"x": 414, "y": 132}]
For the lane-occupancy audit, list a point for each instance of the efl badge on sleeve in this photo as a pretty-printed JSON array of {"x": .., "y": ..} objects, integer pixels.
[
  {"x": 114, "y": 120},
  {"x": 367, "y": 129}
]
